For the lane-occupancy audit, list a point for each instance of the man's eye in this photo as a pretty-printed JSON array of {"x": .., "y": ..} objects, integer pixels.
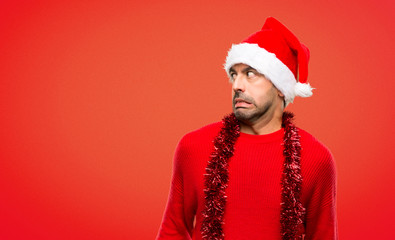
[
  {"x": 232, "y": 76},
  {"x": 250, "y": 74}
]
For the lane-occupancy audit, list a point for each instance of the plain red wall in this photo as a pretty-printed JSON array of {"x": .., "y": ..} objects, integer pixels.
[{"x": 94, "y": 96}]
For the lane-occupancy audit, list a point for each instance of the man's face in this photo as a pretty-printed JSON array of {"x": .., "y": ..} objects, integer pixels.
[{"x": 253, "y": 95}]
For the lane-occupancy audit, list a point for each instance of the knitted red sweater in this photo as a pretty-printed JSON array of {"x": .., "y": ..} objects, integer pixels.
[{"x": 254, "y": 191}]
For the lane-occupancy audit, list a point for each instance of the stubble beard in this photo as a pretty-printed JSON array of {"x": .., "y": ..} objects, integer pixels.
[{"x": 249, "y": 116}]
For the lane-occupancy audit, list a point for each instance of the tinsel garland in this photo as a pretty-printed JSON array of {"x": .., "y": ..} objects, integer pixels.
[
  {"x": 217, "y": 177},
  {"x": 292, "y": 211}
]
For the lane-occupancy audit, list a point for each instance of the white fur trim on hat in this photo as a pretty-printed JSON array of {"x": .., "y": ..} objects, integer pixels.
[{"x": 269, "y": 65}]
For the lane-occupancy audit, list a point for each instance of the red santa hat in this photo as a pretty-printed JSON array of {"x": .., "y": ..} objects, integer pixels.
[{"x": 276, "y": 53}]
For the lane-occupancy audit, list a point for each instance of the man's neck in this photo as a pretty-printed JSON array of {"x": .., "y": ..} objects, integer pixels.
[{"x": 264, "y": 125}]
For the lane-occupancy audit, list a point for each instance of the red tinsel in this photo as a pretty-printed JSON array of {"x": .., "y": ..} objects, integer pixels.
[
  {"x": 292, "y": 211},
  {"x": 216, "y": 179},
  {"x": 217, "y": 176}
]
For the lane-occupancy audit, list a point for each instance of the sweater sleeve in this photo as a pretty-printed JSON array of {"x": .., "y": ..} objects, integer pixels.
[
  {"x": 321, "y": 221},
  {"x": 175, "y": 225}
]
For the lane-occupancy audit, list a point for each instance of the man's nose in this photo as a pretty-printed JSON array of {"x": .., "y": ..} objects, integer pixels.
[{"x": 238, "y": 84}]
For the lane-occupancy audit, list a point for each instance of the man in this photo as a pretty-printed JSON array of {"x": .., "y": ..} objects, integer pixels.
[{"x": 255, "y": 175}]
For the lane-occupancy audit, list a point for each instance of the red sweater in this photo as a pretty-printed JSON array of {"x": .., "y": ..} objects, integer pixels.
[{"x": 254, "y": 191}]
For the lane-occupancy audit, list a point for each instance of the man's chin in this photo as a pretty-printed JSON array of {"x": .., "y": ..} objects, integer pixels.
[{"x": 242, "y": 114}]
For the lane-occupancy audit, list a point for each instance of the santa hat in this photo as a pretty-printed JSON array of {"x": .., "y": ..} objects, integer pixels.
[{"x": 276, "y": 53}]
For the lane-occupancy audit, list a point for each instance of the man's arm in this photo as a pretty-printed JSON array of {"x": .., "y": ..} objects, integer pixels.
[
  {"x": 175, "y": 224},
  {"x": 321, "y": 221}
]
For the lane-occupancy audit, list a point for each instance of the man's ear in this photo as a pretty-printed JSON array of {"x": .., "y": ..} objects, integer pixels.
[{"x": 280, "y": 93}]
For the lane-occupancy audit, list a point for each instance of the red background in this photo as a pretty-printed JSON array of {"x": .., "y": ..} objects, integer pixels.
[{"x": 94, "y": 96}]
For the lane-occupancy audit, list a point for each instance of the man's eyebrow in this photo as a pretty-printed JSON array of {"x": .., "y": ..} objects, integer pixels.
[
  {"x": 248, "y": 69},
  {"x": 244, "y": 70}
]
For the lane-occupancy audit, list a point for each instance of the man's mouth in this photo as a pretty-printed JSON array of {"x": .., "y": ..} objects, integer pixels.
[{"x": 241, "y": 103}]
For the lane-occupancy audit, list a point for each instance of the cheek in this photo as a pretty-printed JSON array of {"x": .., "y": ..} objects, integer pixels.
[{"x": 263, "y": 96}]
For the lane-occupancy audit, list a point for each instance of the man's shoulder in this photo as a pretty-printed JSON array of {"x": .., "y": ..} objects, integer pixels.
[
  {"x": 203, "y": 134},
  {"x": 207, "y": 131},
  {"x": 309, "y": 139},
  {"x": 313, "y": 147}
]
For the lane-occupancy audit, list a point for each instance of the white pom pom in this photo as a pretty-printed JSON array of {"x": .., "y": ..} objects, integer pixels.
[{"x": 303, "y": 90}]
